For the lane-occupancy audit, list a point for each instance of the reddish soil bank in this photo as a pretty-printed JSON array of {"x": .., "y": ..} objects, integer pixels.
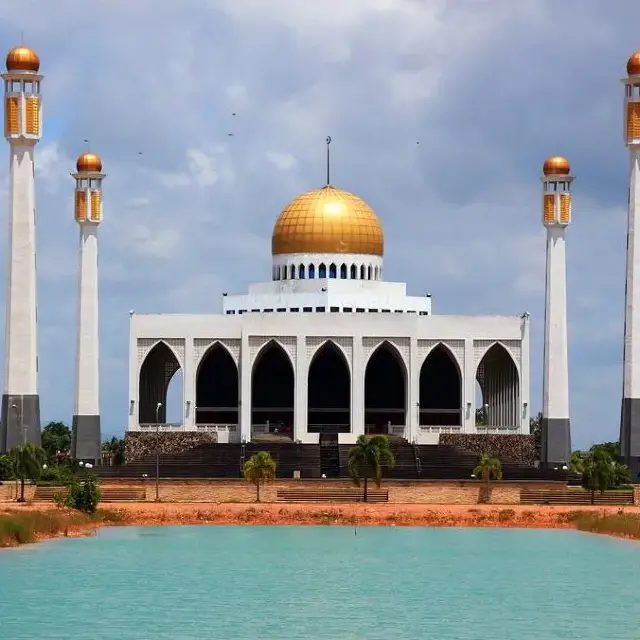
[{"x": 523, "y": 516}]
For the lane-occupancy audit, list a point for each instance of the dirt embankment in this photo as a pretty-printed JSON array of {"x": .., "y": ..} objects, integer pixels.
[{"x": 33, "y": 522}]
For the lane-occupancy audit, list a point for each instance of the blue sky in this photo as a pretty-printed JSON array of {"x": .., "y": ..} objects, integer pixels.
[{"x": 489, "y": 88}]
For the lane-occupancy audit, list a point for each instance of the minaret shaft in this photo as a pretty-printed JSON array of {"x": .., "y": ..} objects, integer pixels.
[
  {"x": 20, "y": 413},
  {"x": 87, "y": 376},
  {"x": 630, "y": 420},
  {"x": 555, "y": 400},
  {"x": 85, "y": 443}
]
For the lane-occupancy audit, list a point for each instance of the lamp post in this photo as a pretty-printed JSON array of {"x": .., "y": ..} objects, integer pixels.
[{"x": 158, "y": 407}]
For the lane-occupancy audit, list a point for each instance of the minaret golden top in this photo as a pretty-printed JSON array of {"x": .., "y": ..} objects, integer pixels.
[
  {"x": 556, "y": 166},
  {"x": 23, "y": 59},
  {"x": 89, "y": 163},
  {"x": 633, "y": 64}
]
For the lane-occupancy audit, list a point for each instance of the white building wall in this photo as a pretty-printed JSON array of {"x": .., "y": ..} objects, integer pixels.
[
  {"x": 87, "y": 402},
  {"x": 468, "y": 338},
  {"x": 20, "y": 354},
  {"x": 282, "y": 296}
]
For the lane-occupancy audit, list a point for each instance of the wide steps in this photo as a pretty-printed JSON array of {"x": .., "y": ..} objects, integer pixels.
[
  {"x": 109, "y": 494},
  {"x": 545, "y": 496},
  {"x": 336, "y": 495}
]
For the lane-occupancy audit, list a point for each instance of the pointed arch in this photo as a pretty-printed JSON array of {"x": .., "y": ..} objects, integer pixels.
[
  {"x": 353, "y": 272},
  {"x": 333, "y": 272},
  {"x": 312, "y": 272},
  {"x": 292, "y": 272},
  {"x": 343, "y": 271},
  {"x": 362, "y": 272},
  {"x": 273, "y": 389},
  {"x": 217, "y": 386},
  {"x": 301, "y": 272},
  {"x": 498, "y": 377},
  {"x": 385, "y": 389},
  {"x": 440, "y": 388},
  {"x": 158, "y": 370},
  {"x": 329, "y": 391},
  {"x": 369, "y": 272},
  {"x": 322, "y": 270}
]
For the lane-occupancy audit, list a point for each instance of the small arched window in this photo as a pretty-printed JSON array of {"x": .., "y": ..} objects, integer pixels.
[
  {"x": 301, "y": 272},
  {"x": 343, "y": 272},
  {"x": 292, "y": 272},
  {"x": 322, "y": 271},
  {"x": 375, "y": 274},
  {"x": 362, "y": 272},
  {"x": 369, "y": 273},
  {"x": 283, "y": 272},
  {"x": 353, "y": 272},
  {"x": 332, "y": 271},
  {"x": 312, "y": 272}
]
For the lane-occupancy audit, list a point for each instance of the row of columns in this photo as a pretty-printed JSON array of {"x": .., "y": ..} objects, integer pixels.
[{"x": 357, "y": 368}]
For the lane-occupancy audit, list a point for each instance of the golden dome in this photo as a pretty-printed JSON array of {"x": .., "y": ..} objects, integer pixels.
[
  {"x": 89, "y": 162},
  {"x": 633, "y": 64},
  {"x": 556, "y": 166},
  {"x": 22, "y": 59},
  {"x": 327, "y": 220}
]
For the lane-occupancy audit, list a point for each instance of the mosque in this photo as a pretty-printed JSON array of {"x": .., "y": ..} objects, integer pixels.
[
  {"x": 325, "y": 348},
  {"x": 321, "y": 350}
]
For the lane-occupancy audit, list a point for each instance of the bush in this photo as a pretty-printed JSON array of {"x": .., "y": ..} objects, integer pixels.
[
  {"x": 82, "y": 495},
  {"x": 6, "y": 468},
  {"x": 58, "y": 474}
]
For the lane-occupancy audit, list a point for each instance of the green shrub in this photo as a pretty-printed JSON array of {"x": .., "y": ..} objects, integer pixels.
[
  {"x": 56, "y": 475},
  {"x": 6, "y": 468},
  {"x": 82, "y": 495}
]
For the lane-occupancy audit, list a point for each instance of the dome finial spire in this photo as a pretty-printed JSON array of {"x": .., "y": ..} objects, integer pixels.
[{"x": 328, "y": 141}]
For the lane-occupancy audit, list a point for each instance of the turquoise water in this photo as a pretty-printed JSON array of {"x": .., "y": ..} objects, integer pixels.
[{"x": 392, "y": 583}]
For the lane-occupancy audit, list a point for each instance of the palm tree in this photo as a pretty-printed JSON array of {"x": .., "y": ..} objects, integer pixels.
[
  {"x": 598, "y": 472},
  {"x": 27, "y": 463},
  {"x": 366, "y": 460},
  {"x": 489, "y": 468},
  {"x": 260, "y": 467}
]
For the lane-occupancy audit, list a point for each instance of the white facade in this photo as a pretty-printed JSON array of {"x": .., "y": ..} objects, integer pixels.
[
  {"x": 87, "y": 401},
  {"x": 466, "y": 338},
  {"x": 326, "y": 295},
  {"x": 21, "y": 350},
  {"x": 328, "y": 348}
]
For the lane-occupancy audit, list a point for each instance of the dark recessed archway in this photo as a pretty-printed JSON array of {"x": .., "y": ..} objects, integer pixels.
[
  {"x": 385, "y": 390},
  {"x": 499, "y": 382},
  {"x": 217, "y": 389},
  {"x": 440, "y": 389},
  {"x": 273, "y": 390},
  {"x": 156, "y": 374},
  {"x": 329, "y": 391}
]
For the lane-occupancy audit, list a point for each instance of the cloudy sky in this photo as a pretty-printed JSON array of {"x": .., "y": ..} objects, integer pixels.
[{"x": 488, "y": 88}]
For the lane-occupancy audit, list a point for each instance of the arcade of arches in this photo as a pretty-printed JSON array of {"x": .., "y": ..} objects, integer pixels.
[{"x": 217, "y": 384}]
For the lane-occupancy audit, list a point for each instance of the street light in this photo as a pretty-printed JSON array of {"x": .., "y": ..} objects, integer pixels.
[{"x": 158, "y": 407}]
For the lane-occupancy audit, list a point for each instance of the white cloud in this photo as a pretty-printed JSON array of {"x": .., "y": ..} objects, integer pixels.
[{"x": 282, "y": 161}]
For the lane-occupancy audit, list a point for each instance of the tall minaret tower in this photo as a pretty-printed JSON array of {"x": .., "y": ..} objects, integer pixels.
[
  {"x": 556, "y": 215},
  {"x": 88, "y": 212},
  {"x": 20, "y": 412},
  {"x": 630, "y": 418}
]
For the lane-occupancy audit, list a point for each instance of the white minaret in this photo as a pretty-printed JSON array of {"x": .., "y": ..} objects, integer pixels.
[
  {"x": 556, "y": 215},
  {"x": 88, "y": 213},
  {"x": 630, "y": 415},
  {"x": 20, "y": 413}
]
